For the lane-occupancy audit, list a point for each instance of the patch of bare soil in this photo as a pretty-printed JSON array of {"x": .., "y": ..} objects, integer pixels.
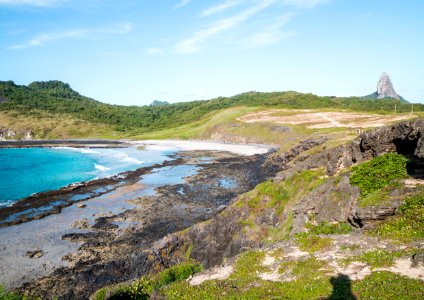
[{"x": 315, "y": 119}]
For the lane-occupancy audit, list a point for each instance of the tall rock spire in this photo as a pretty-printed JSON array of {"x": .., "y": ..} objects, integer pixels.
[{"x": 385, "y": 88}]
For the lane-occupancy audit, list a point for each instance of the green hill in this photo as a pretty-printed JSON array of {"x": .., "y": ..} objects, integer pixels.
[
  {"x": 58, "y": 98},
  {"x": 374, "y": 96}
]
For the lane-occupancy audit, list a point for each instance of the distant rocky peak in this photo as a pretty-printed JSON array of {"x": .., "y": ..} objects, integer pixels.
[
  {"x": 385, "y": 88},
  {"x": 159, "y": 103}
]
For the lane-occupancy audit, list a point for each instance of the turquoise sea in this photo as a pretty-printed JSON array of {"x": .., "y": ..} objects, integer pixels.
[{"x": 32, "y": 170}]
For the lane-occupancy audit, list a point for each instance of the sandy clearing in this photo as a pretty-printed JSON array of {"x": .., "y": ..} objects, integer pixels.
[
  {"x": 243, "y": 149},
  {"x": 356, "y": 270},
  {"x": 219, "y": 273},
  {"x": 268, "y": 260},
  {"x": 403, "y": 266},
  {"x": 314, "y": 119}
]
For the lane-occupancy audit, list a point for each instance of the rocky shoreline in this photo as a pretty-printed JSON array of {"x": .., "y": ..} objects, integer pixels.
[
  {"x": 43, "y": 204},
  {"x": 117, "y": 241}
]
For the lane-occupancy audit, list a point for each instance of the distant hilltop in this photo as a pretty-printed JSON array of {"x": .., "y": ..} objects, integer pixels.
[
  {"x": 385, "y": 90},
  {"x": 159, "y": 103}
]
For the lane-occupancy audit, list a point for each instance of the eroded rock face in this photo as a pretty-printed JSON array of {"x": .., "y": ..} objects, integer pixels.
[
  {"x": 385, "y": 88},
  {"x": 9, "y": 134},
  {"x": 330, "y": 202},
  {"x": 334, "y": 201}
]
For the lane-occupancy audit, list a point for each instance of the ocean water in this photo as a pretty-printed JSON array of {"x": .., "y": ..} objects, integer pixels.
[{"x": 32, "y": 170}]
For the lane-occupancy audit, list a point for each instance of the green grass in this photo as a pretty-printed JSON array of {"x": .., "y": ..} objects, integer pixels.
[
  {"x": 310, "y": 283},
  {"x": 380, "y": 196},
  {"x": 378, "y": 173},
  {"x": 277, "y": 195},
  {"x": 54, "y": 126},
  {"x": 201, "y": 128},
  {"x": 379, "y": 258},
  {"x": 408, "y": 224},
  {"x": 312, "y": 243},
  {"x": 5, "y": 295},
  {"x": 330, "y": 228},
  {"x": 146, "y": 286},
  {"x": 386, "y": 285}
]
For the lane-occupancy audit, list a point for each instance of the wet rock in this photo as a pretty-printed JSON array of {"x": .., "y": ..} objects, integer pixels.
[
  {"x": 81, "y": 224},
  {"x": 35, "y": 253},
  {"x": 102, "y": 223}
]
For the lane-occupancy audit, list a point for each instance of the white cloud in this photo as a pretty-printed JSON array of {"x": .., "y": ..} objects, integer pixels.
[
  {"x": 304, "y": 3},
  {"x": 220, "y": 7},
  {"x": 182, "y": 3},
  {"x": 271, "y": 34},
  {"x": 154, "y": 51},
  {"x": 44, "y": 38},
  {"x": 194, "y": 43},
  {"x": 32, "y": 2}
]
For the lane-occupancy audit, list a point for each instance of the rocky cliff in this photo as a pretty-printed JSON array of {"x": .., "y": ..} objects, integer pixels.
[
  {"x": 251, "y": 217},
  {"x": 10, "y": 134}
]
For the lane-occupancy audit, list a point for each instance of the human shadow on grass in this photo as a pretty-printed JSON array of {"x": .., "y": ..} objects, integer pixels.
[{"x": 342, "y": 288}]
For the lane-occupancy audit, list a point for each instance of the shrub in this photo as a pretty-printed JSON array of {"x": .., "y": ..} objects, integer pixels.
[
  {"x": 409, "y": 224},
  {"x": 147, "y": 285},
  {"x": 330, "y": 228},
  {"x": 379, "y": 172},
  {"x": 312, "y": 243}
]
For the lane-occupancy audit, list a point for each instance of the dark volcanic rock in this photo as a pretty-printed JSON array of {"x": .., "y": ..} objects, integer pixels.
[
  {"x": 406, "y": 138},
  {"x": 330, "y": 202},
  {"x": 418, "y": 259}
]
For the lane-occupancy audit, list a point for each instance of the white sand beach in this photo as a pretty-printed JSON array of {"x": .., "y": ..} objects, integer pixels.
[{"x": 191, "y": 145}]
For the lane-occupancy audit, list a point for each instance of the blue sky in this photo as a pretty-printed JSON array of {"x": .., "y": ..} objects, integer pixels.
[{"x": 133, "y": 52}]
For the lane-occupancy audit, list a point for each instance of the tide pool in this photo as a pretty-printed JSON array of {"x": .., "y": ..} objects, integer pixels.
[{"x": 32, "y": 170}]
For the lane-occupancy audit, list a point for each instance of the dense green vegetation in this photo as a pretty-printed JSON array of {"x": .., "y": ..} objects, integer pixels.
[
  {"x": 58, "y": 98},
  {"x": 147, "y": 286},
  {"x": 329, "y": 228},
  {"x": 312, "y": 243},
  {"x": 379, "y": 172},
  {"x": 408, "y": 224}
]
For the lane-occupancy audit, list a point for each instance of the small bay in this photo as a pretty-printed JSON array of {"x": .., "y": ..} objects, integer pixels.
[{"x": 24, "y": 171}]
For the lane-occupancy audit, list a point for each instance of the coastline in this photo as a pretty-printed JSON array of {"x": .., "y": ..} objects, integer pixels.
[
  {"x": 53, "y": 201},
  {"x": 132, "y": 219}
]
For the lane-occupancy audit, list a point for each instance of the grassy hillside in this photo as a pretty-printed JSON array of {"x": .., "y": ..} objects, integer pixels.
[
  {"x": 54, "y": 126},
  {"x": 57, "y": 98}
]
